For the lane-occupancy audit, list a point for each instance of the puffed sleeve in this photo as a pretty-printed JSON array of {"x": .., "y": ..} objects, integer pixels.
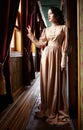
[
  {"x": 42, "y": 40},
  {"x": 64, "y": 47}
]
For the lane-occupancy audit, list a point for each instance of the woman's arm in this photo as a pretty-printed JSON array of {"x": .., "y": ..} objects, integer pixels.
[
  {"x": 38, "y": 43},
  {"x": 64, "y": 48}
]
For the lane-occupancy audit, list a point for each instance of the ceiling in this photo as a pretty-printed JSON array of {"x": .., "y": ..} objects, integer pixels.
[{"x": 46, "y": 4}]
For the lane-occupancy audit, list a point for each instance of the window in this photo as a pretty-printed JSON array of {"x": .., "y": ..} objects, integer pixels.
[{"x": 16, "y": 42}]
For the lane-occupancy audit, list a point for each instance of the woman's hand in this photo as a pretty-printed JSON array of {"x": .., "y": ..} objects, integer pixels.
[
  {"x": 63, "y": 62},
  {"x": 63, "y": 65},
  {"x": 29, "y": 29},
  {"x": 29, "y": 34}
]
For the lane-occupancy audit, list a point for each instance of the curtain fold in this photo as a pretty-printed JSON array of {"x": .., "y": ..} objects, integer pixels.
[
  {"x": 26, "y": 69},
  {"x": 27, "y": 19},
  {"x": 8, "y": 13},
  {"x": 39, "y": 26}
]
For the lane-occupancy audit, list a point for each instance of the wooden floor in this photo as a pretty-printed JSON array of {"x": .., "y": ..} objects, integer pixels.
[
  {"x": 41, "y": 124},
  {"x": 20, "y": 115},
  {"x": 16, "y": 116}
]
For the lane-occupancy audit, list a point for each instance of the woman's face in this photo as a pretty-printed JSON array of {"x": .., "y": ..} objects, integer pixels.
[{"x": 51, "y": 17}]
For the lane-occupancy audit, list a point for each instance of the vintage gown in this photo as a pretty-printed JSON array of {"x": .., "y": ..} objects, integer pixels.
[{"x": 52, "y": 78}]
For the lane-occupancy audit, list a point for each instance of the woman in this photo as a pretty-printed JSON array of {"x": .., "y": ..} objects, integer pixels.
[{"x": 52, "y": 68}]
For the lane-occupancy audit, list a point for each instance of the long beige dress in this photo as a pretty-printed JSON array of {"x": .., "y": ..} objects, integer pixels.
[{"x": 52, "y": 78}]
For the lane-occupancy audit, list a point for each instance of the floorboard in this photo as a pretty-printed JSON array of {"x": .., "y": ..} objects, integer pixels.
[
  {"x": 20, "y": 115},
  {"x": 16, "y": 115}
]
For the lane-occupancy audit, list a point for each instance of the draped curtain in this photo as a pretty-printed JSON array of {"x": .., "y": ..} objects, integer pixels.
[
  {"x": 39, "y": 23},
  {"x": 28, "y": 17},
  {"x": 8, "y": 13}
]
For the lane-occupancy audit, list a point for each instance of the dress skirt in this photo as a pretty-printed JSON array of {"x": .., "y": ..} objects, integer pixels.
[{"x": 53, "y": 86}]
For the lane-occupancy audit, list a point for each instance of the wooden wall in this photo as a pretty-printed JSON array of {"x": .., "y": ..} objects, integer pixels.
[{"x": 16, "y": 74}]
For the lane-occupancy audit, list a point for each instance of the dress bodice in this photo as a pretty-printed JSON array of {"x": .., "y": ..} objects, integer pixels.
[{"x": 55, "y": 35}]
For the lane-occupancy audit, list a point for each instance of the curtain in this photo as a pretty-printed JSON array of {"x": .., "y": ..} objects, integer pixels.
[
  {"x": 27, "y": 19},
  {"x": 39, "y": 26},
  {"x": 8, "y": 13}
]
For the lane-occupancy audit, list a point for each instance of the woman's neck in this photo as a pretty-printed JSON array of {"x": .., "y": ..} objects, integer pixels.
[{"x": 54, "y": 24}]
